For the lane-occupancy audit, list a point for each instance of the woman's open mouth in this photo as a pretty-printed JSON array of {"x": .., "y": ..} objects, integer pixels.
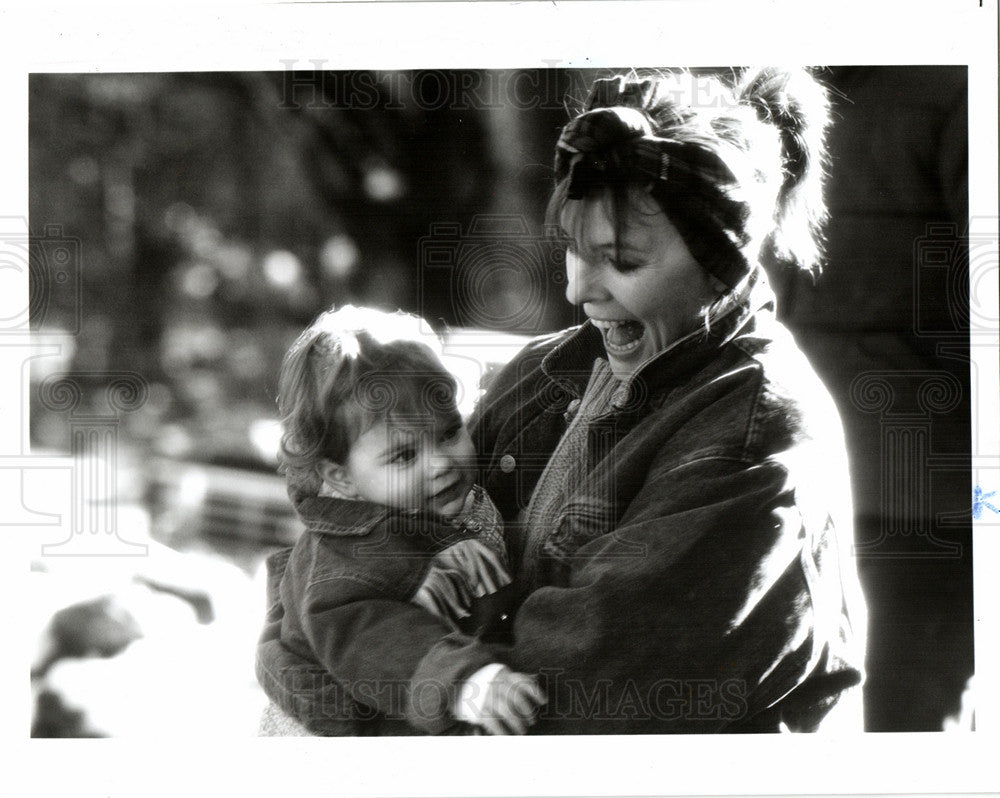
[{"x": 621, "y": 336}]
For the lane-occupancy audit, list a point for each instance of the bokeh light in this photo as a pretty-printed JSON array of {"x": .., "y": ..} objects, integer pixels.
[
  {"x": 199, "y": 280},
  {"x": 281, "y": 268},
  {"x": 339, "y": 256},
  {"x": 383, "y": 183}
]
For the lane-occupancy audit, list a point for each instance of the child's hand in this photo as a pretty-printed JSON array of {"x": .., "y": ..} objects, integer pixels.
[
  {"x": 482, "y": 567},
  {"x": 459, "y": 573},
  {"x": 445, "y": 592},
  {"x": 508, "y": 705}
]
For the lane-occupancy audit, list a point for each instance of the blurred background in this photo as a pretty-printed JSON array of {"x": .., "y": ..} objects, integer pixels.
[{"x": 186, "y": 226}]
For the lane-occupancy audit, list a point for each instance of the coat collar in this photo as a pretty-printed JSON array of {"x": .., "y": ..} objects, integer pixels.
[
  {"x": 340, "y": 516},
  {"x": 355, "y": 517}
]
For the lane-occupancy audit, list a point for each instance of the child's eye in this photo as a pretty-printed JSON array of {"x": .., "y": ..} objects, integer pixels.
[{"x": 403, "y": 456}]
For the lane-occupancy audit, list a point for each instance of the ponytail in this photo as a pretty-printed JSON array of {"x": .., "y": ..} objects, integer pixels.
[{"x": 797, "y": 106}]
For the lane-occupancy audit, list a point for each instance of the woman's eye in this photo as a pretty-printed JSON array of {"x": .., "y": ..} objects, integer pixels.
[
  {"x": 625, "y": 266},
  {"x": 451, "y": 434}
]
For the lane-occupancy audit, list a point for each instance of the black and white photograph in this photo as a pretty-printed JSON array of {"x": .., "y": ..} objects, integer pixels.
[{"x": 625, "y": 394}]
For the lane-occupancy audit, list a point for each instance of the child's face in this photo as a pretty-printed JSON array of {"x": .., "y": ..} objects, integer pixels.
[{"x": 429, "y": 467}]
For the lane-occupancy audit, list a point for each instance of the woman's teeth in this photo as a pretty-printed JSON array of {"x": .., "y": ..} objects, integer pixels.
[{"x": 620, "y": 337}]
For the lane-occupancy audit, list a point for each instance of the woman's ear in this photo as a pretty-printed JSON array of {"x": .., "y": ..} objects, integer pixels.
[{"x": 336, "y": 477}]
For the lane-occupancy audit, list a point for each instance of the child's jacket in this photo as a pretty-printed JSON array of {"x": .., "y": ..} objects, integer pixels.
[{"x": 343, "y": 649}]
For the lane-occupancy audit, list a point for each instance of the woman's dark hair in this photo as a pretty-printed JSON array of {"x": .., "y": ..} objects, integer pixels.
[
  {"x": 348, "y": 370},
  {"x": 737, "y": 166}
]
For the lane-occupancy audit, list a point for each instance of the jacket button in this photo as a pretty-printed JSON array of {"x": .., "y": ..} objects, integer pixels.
[{"x": 507, "y": 463}]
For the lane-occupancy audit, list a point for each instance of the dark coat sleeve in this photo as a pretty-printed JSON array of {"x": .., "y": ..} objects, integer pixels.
[
  {"x": 300, "y": 686},
  {"x": 389, "y": 655},
  {"x": 350, "y": 615}
]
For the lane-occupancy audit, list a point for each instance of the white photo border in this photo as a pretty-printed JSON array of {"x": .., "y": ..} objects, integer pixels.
[{"x": 231, "y": 37}]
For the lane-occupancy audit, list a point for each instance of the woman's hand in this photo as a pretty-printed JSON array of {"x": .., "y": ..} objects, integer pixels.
[{"x": 508, "y": 704}]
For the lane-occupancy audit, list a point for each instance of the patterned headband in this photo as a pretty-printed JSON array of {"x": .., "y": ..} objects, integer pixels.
[
  {"x": 613, "y": 144},
  {"x": 609, "y": 146}
]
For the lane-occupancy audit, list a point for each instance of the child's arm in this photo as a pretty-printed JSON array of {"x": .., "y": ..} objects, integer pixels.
[
  {"x": 390, "y": 655},
  {"x": 445, "y": 593},
  {"x": 348, "y": 603},
  {"x": 465, "y": 570},
  {"x": 482, "y": 567},
  {"x": 470, "y": 568}
]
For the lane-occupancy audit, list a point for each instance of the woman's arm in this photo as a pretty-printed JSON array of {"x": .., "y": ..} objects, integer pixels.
[{"x": 715, "y": 597}]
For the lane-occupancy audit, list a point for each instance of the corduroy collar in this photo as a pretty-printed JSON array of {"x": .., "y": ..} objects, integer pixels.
[{"x": 341, "y": 516}]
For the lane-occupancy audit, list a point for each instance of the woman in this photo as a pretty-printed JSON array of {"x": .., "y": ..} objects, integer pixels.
[
  {"x": 671, "y": 473},
  {"x": 678, "y": 470}
]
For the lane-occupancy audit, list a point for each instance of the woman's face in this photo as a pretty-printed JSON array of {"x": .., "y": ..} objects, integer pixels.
[{"x": 654, "y": 294}]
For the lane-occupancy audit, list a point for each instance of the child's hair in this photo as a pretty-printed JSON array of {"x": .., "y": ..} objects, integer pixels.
[
  {"x": 737, "y": 167},
  {"x": 350, "y": 369}
]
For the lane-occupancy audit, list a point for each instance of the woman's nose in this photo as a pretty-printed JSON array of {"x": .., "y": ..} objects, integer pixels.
[{"x": 581, "y": 280}]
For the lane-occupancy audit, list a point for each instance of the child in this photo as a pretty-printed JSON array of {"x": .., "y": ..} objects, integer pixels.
[{"x": 397, "y": 543}]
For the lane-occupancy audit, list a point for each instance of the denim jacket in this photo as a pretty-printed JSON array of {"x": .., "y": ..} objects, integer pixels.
[
  {"x": 700, "y": 578},
  {"x": 343, "y": 649}
]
